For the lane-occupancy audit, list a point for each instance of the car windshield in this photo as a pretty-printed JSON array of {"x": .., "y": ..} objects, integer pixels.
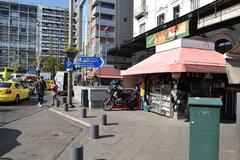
[
  {"x": 2, "y": 69},
  {"x": 5, "y": 85}
]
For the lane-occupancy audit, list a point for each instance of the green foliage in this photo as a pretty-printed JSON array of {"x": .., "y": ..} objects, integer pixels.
[
  {"x": 51, "y": 64},
  {"x": 71, "y": 49}
]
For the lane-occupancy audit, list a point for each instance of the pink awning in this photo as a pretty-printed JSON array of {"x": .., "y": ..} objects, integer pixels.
[
  {"x": 180, "y": 60},
  {"x": 106, "y": 72}
]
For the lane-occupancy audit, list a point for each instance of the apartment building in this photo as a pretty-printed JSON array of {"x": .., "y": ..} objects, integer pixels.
[
  {"x": 17, "y": 33},
  {"x": 53, "y": 30},
  {"x": 104, "y": 24}
]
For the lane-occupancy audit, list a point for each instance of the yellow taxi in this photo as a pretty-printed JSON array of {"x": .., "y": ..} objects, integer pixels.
[
  {"x": 49, "y": 84},
  {"x": 13, "y": 92}
]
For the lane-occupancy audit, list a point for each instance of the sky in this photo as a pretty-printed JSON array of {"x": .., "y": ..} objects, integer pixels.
[{"x": 54, "y": 3}]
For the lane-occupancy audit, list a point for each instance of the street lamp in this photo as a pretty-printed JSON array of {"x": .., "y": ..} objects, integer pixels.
[{"x": 106, "y": 43}]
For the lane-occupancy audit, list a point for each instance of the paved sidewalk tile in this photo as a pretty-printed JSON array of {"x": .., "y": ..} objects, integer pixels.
[{"x": 138, "y": 135}]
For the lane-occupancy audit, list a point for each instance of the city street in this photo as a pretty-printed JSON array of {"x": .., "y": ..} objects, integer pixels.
[{"x": 27, "y": 132}]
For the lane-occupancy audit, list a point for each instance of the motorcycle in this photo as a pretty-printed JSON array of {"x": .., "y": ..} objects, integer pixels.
[{"x": 120, "y": 99}]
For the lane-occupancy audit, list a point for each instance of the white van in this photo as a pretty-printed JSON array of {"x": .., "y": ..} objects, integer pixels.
[{"x": 61, "y": 81}]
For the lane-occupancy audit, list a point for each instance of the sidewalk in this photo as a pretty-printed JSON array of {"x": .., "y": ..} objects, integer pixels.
[{"x": 138, "y": 135}]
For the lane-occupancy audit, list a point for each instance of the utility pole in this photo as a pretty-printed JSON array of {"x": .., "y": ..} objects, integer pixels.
[{"x": 70, "y": 43}]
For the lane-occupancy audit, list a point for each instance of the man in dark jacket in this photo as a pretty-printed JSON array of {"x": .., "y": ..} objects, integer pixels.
[{"x": 40, "y": 87}]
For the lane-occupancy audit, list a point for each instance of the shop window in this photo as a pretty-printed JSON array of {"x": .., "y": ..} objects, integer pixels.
[
  {"x": 176, "y": 12},
  {"x": 223, "y": 45}
]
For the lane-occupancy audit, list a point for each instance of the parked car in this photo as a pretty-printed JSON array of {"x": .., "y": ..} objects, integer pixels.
[
  {"x": 49, "y": 84},
  {"x": 30, "y": 85},
  {"x": 13, "y": 92}
]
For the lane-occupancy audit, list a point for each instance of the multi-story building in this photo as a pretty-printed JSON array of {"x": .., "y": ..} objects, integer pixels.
[
  {"x": 150, "y": 14},
  {"x": 53, "y": 30},
  {"x": 104, "y": 24},
  {"x": 17, "y": 33}
]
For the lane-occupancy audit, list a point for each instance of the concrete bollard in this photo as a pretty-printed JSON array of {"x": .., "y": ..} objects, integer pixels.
[
  {"x": 103, "y": 120},
  {"x": 76, "y": 152},
  {"x": 65, "y": 105},
  {"x": 94, "y": 131},
  {"x": 57, "y": 103},
  {"x": 83, "y": 113}
]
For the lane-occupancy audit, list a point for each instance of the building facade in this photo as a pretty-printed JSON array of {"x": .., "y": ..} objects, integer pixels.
[
  {"x": 28, "y": 31},
  {"x": 104, "y": 24},
  {"x": 53, "y": 31},
  {"x": 18, "y": 26},
  {"x": 150, "y": 14}
]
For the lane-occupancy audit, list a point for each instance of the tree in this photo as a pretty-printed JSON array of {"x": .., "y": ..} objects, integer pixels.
[{"x": 49, "y": 64}]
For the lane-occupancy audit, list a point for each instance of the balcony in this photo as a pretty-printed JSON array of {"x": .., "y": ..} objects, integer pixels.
[
  {"x": 103, "y": 22},
  {"x": 94, "y": 2},
  {"x": 103, "y": 10},
  {"x": 103, "y": 34},
  {"x": 140, "y": 12}
]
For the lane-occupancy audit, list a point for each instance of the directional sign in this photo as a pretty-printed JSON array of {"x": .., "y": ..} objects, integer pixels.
[
  {"x": 69, "y": 66},
  {"x": 89, "y": 62}
]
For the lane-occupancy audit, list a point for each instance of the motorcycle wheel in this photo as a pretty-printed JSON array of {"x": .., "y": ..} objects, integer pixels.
[{"x": 107, "y": 104}]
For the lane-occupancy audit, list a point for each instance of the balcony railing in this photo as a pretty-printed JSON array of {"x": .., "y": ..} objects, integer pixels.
[{"x": 140, "y": 12}]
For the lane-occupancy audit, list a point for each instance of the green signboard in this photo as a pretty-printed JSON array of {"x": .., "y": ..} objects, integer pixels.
[{"x": 178, "y": 31}]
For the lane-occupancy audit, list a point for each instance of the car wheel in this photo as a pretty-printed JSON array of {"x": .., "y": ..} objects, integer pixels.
[{"x": 17, "y": 99}]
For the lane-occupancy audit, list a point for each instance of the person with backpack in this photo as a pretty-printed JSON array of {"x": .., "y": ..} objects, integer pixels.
[
  {"x": 40, "y": 87},
  {"x": 54, "y": 89}
]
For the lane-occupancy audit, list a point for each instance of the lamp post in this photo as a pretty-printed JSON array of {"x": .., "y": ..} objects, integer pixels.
[
  {"x": 38, "y": 50},
  {"x": 106, "y": 43}
]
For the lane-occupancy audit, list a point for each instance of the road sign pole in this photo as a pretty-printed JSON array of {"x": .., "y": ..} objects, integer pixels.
[{"x": 69, "y": 89}]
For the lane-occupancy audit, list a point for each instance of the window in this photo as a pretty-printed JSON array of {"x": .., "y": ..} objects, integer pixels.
[
  {"x": 142, "y": 28},
  {"x": 194, "y": 4},
  {"x": 160, "y": 19},
  {"x": 223, "y": 45},
  {"x": 107, "y": 5},
  {"x": 176, "y": 12},
  {"x": 105, "y": 16},
  {"x": 5, "y": 85}
]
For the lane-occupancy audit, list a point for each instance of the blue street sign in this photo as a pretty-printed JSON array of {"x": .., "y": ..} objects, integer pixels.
[
  {"x": 89, "y": 62},
  {"x": 31, "y": 71},
  {"x": 69, "y": 66}
]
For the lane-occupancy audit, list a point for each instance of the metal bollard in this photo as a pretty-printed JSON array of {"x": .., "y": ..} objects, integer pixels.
[
  {"x": 65, "y": 105},
  {"x": 103, "y": 120},
  {"x": 64, "y": 100},
  {"x": 94, "y": 131},
  {"x": 83, "y": 113},
  {"x": 76, "y": 152},
  {"x": 57, "y": 103}
]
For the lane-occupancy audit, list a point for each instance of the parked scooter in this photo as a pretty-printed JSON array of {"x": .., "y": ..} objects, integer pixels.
[{"x": 120, "y": 99}]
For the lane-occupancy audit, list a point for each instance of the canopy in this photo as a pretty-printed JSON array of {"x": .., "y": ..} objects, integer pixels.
[
  {"x": 180, "y": 60},
  {"x": 233, "y": 64},
  {"x": 106, "y": 72}
]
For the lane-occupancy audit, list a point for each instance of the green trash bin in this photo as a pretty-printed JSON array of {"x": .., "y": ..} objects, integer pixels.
[{"x": 204, "y": 128}]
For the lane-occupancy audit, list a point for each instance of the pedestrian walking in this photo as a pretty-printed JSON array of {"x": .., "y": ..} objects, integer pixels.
[
  {"x": 40, "y": 87},
  {"x": 54, "y": 89}
]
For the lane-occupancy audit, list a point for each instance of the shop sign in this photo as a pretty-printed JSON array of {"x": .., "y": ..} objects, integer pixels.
[{"x": 175, "y": 32}]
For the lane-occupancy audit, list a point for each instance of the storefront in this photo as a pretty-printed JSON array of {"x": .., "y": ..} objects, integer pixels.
[
  {"x": 182, "y": 68},
  {"x": 104, "y": 75}
]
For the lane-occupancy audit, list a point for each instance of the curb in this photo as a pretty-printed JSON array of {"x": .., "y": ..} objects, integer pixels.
[{"x": 69, "y": 117}]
